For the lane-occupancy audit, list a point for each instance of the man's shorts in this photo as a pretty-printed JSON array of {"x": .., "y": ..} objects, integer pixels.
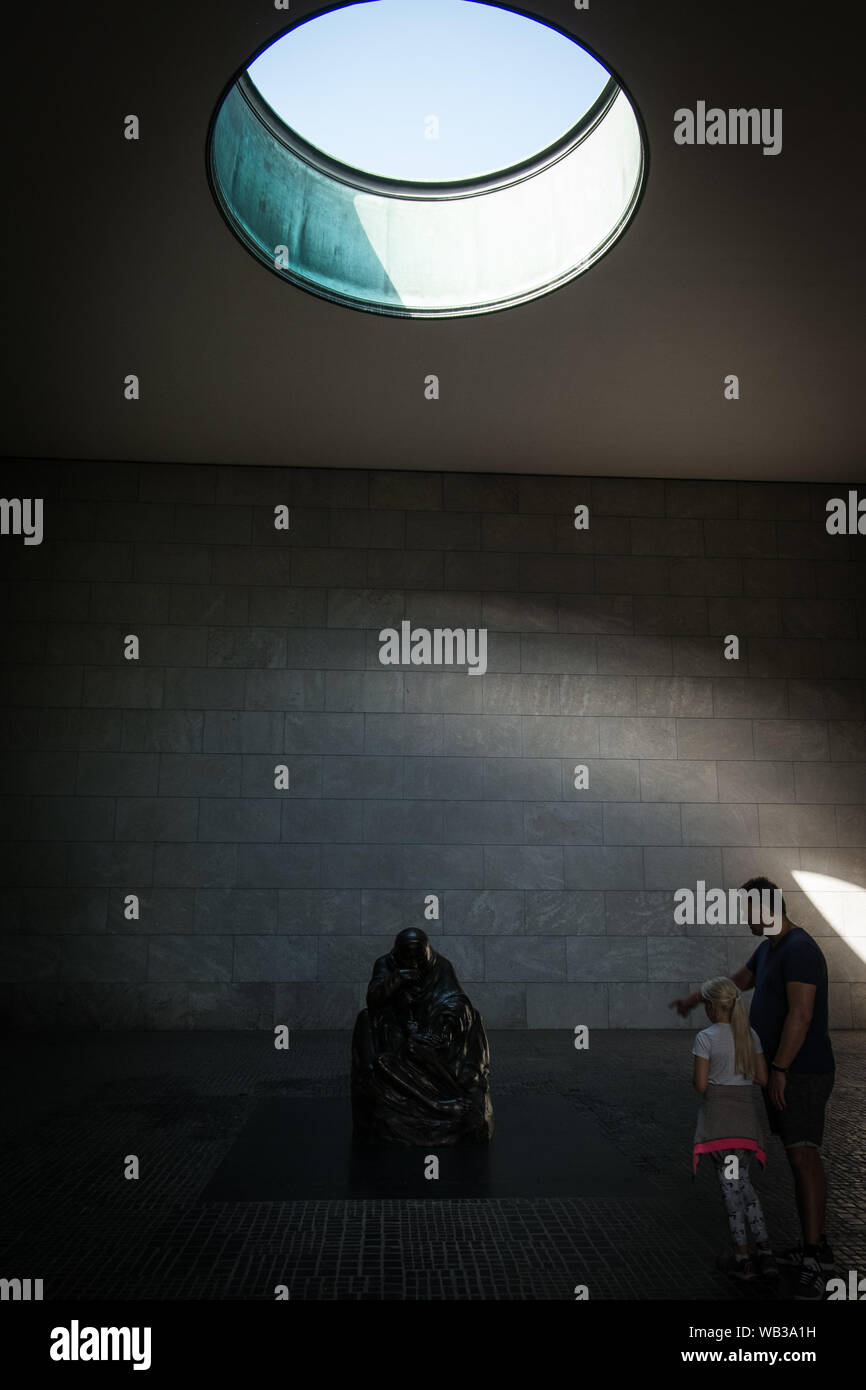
[{"x": 802, "y": 1120}]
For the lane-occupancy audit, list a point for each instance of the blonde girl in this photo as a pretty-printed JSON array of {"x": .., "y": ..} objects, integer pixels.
[{"x": 729, "y": 1064}]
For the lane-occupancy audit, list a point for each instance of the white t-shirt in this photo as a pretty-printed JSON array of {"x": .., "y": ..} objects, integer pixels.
[{"x": 717, "y": 1043}]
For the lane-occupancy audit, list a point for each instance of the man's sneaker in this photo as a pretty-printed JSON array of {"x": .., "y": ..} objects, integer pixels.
[
  {"x": 811, "y": 1284},
  {"x": 743, "y": 1270},
  {"x": 793, "y": 1258}
]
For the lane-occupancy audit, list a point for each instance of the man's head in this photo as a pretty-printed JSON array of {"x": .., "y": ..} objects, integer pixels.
[
  {"x": 765, "y": 906},
  {"x": 412, "y": 948}
]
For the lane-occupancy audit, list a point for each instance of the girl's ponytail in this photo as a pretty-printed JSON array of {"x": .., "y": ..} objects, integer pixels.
[{"x": 724, "y": 993}]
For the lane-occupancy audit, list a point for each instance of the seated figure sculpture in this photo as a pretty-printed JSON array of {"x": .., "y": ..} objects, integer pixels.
[{"x": 420, "y": 1058}]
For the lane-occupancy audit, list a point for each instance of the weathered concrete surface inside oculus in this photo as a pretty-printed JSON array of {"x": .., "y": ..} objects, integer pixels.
[{"x": 417, "y": 256}]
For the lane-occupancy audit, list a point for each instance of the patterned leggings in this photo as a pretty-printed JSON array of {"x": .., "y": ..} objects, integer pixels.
[{"x": 741, "y": 1200}]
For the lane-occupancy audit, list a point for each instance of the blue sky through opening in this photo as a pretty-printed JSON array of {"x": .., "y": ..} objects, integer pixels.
[{"x": 360, "y": 83}]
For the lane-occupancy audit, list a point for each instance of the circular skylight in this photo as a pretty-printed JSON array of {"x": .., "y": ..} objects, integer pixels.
[
  {"x": 428, "y": 92},
  {"x": 426, "y": 160}
]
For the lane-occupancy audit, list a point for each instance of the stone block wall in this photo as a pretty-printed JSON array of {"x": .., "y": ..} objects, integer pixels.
[{"x": 259, "y": 647}]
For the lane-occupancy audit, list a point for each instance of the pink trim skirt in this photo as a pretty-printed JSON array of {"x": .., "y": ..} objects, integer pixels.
[{"x": 712, "y": 1145}]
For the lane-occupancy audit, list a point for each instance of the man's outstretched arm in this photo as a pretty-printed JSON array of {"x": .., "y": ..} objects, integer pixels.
[{"x": 744, "y": 979}]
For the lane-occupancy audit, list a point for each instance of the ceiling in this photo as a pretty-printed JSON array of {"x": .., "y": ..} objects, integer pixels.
[{"x": 735, "y": 262}]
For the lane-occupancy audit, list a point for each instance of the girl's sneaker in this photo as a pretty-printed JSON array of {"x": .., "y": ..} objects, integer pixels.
[
  {"x": 767, "y": 1264},
  {"x": 737, "y": 1268}
]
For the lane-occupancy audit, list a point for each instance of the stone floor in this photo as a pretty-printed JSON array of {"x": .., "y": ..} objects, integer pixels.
[{"x": 77, "y": 1104}]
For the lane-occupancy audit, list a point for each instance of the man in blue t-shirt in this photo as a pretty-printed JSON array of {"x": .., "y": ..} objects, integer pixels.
[{"x": 789, "y": 1014}]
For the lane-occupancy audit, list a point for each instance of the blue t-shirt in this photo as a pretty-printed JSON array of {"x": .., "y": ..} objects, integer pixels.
[{"x": 798, "y": 957}]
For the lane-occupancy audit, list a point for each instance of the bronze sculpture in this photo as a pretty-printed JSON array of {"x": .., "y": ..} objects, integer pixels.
[{"x": 420, "y": 1057}]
